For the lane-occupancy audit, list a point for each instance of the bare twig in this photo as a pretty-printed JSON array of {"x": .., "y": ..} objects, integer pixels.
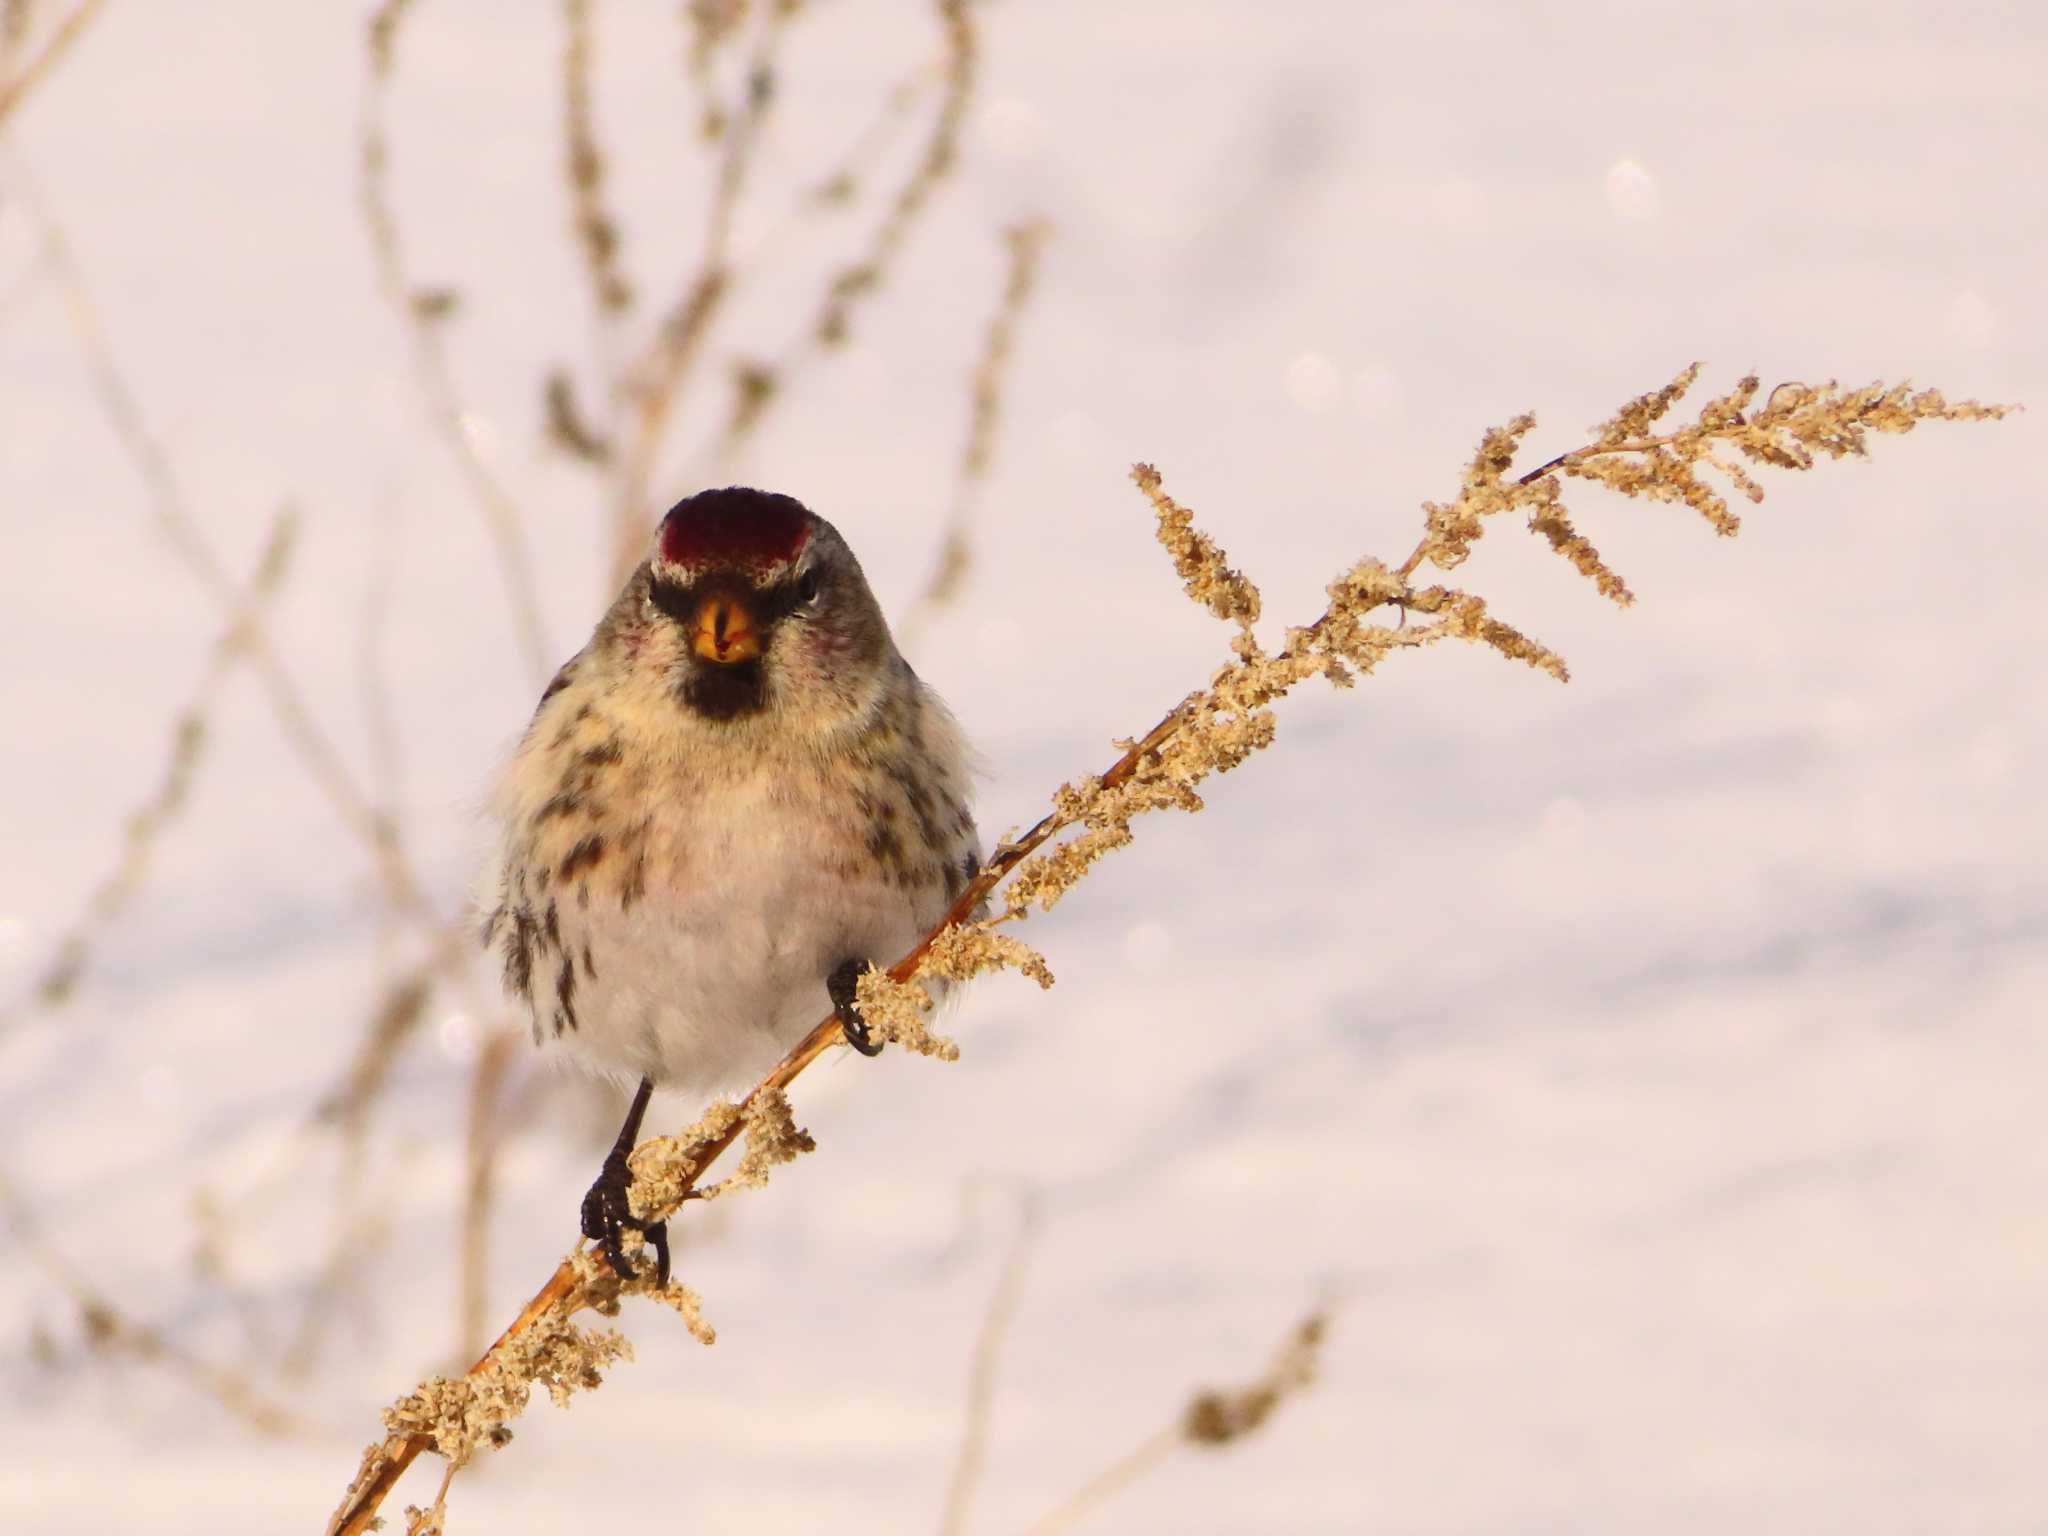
[
  {"x": 1210, "y": 1420},
  {"x": 358, "y": 1234},
  {"x": 663, "y": 369},
  {"x": 712, "y": 24},
  {"x": 17, "y": 21},
  {"x": 981, "y": 1375},
  {"x": 756, "y": 385},
  {"x": 1108, "y": 1483},
  {"x": 1024, "y": 242},
  {"x": 840, "y": 186},
  {"x": 373, "y": 672},
  {"x": 109, "y": 1331},
  {"x": 16, "y": 18},
  {"x": 479, "y": 1185},
  {"x": 423, "y": 312},
  {"x": 393, "y": 1024},
  {"x": 597, "y": 230},
  {"x": 394, "y": 1020},
  {"x": 173, "y": 513},
  {"x": 147, "y": 822},
  {"x": 941, "y": 149},
  {"x": 15, "y": 89}
]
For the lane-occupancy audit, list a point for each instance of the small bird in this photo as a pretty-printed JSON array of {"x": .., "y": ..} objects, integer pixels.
[{"x": 728, "y": 804}]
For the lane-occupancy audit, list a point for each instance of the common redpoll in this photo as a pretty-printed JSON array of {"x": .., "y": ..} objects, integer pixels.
[{"x": 728, "y": 803}]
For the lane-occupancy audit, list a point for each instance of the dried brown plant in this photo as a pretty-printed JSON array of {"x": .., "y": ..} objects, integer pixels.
[
  {"x": 370, "y": 817},
  {"x": 1211, "y": 1419},
  {"x": 568, "y": 425},
  {"x": 638, "y": 400},
  {"x": 597, "y": 231},
  {"x": 16, "y": 18},
  {"x": 480, "y": 1183},
  {"x": 243, "y": 641},
  {"x": 1023, "y": 242},
  {"x": 1212, "y": 730},
  {"x": 711, "y": 25},
  {"x": 16, "y": 85},
  {"x": 369, "y": 807},
  {"x": 864, "y": 275},
  {"x": 758, "y": 384},
  {"x": 175, "y": 517},
  {"x": 657, "y": 377},
  {"x": 107, "y": 1330},
  {"x": 424, "y": 312},
  {"x": 17, "y": 24},
  {"x": 981, "y": 1373},
  {"x": 640, "y": 389},
  {"x": 60, "y": 974}
]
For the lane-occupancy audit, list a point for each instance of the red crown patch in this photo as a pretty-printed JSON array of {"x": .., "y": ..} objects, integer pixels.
[{"x": 755, "y": 530}]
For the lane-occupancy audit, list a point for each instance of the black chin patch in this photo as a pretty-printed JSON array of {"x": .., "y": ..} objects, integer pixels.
[{"x": 725, "y": 691}]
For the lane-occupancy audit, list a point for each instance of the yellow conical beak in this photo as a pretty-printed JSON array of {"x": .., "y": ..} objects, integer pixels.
[{"x": 725, "y": 631}]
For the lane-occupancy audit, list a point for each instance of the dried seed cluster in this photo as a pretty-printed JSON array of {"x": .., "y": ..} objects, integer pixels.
[
  {"x": 459, "y": 1415},
  {"x": 1218, "y": 728},
  {"x": 1215, "y": 1418}
]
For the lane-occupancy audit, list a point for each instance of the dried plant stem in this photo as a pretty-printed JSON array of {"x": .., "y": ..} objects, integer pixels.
[
  {"x": 480, "y": 1160},
  {"x": 758, "y": 385},
  {"x": 146, "y": 824},
  {"x": 1210, "y": 1419},
  {"x": 108, "y": 1330},
  {"x": 597, "y": 230},
  {"x": 424, "y": 313},
  {"x": 711, "y": 24},
  {"x": 394, "y": 1022},
  {"x": 933, "y": 166},
  {"x": 359, "y": 1232},
  {"x": 1210, "y": 731},
  {"x": 15, "y": 89},
  {"x": 659, "y": 376},
  {"x": 17, "y": 18},
  {"x": 840, "y": 185},
  {"x": 174, "y": 517},
  {"x": 981, "y": 1375},
  {"x": 168, "y": 503},
  {"x": 1107, "y": 1484},
  {"x": 1024, "y": 242},
  {"x": 373, "y": 671}
]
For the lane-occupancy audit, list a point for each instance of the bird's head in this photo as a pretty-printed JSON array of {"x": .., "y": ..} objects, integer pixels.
[{"x": 755, "y": 609}]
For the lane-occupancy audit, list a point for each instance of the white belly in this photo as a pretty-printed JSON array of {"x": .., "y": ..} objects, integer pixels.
[{"x": 720, "y": 966}]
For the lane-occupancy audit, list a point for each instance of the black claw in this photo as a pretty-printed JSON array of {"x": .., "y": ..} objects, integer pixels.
[
  {"x": 608, "y": 1207},
  {"x": 656, "y": 1232},
  {"x": 844, "y": 986}
]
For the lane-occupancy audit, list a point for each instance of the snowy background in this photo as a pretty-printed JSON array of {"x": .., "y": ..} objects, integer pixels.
[{"x": 1653, "y": 1065}]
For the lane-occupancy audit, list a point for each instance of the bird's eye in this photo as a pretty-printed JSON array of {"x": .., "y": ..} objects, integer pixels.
[{"x": 807, "y": 588}]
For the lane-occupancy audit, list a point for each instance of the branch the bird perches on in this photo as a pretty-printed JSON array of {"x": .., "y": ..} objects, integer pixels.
[{"x": 1211, "y": 731}]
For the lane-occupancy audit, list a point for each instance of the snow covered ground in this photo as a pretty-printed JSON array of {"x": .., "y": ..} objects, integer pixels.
[{"x": 1652, "y": 1065}]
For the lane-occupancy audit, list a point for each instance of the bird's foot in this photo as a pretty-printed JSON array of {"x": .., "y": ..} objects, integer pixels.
[
  {"x": 608, "y": 1215},
  {"x": 844, "y": 986}
]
